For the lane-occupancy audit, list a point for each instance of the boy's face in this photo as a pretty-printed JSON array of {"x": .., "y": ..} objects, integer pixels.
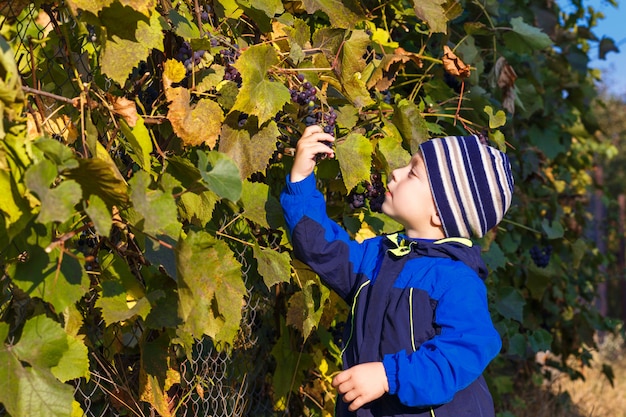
[{"x": 410, "y": 202}]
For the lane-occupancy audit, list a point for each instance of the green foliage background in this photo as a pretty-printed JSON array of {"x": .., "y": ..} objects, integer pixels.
[{"x": 147, "y": 178}]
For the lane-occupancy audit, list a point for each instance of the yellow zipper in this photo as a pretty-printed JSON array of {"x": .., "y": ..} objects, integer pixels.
[{"x": 356, "y": 296}]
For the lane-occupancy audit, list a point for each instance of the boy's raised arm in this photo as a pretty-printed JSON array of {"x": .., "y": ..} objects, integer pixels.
[{"x": 309, "y": 146}]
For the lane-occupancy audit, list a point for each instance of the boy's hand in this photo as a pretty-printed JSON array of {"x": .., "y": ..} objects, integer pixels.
[
  {"x": 362, "y": 384},
  {"x": 310, "y": 144}
]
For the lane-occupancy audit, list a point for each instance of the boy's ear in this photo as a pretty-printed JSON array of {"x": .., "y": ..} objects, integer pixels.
[{"x": 436, "y": 220}]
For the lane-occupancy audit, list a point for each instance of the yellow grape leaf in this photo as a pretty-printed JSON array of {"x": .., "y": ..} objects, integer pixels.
[
  {"x": 194, "y": 126},
  {"x": 173, "y": 72},
  {"x": 433, "y": 13},
  {"x": 258, "y": 95}
]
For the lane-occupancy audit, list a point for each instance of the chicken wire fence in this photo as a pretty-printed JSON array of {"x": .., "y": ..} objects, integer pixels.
[{"x": 213, "y": 382}]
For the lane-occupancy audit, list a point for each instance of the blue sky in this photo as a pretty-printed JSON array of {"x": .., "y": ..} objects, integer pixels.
[{"x": 612, "y": 26}]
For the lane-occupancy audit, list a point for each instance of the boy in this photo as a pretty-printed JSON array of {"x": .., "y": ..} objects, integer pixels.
[{"x": 420, "y": 333}]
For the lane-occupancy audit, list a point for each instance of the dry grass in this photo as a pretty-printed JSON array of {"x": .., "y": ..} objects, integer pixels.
[{"x": 593, "y": 397}]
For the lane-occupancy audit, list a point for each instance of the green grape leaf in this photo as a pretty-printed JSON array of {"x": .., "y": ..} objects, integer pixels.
[
  {"x": 120, "y": 55},
  {"x": 540, "y": 340},
  {"x": 184, "y": 27},
  {"x": 290, "y": 375},
  {"x": 495, "y": 257},
  {"x": 93, "y": 6},
  {"x": 328, "y": 40},
  {"x": 162, "y": 256},
  {"x": 249, "y": 147},
  {"x": 48, "y": 273},
  {"x": 15, "y": 208},
  {"x": 412, "y": 126},
  {"x": 390, "y": 150},
  {"x": 99, "y": 214},
  {"x": 517, "y": 345},
  {"x": 258, "y": 95},
  {"x": 164, "y": 312},
  {"x": 352, "y": 52},
  {"x": 60, "y": 282},
  {"x": 183, "y": 170},
  {"x": 74, "y": 363},
  {"x": 153, "y": 375},
  {"x": 498, "y": 139},
  {"x": 157, "y": 208},
  {"x": 510, "y": 303},
  {"x": 298, "y": 32},
  {"x": 46, "y": 348},
  {"x": 347, "y": 116},
  {"x": 62, "y": 156},
  {"x": 355, "y": 89},
  {"x": 355, "y": 159},
  {"x": 533, "y": 37},
  {"x": 57, "y": 204},
  {"x": 538, "y": 280},
  {"x": 230, "y": 9},
  {"x": 274, "y": 267},
  {"x": 33, "y": 392},
  {"x": 432, "y": 12},
  {"x": 306, "y": 307},
  {"x": 115, "y": 268},
  {"x": 606, "y": 45},
  {"x": 352, "y": 81},
  {"x": 42, "y": 344},
  {"x": 220, "y": 174},
  {"x": 197, "y": 208},
  {"x": 342, "y": 14},
  {"x": 261, "y": 207},
  {"x": 115, "y": 305},
  {"x": 270, "y": 7},
  {"x": 495, "y": 120},
  {"x": 10, "y": 82},
  {"x": 553, "y": 229},
  {"x": 140, "y": 142},
  {"x": 100, "y": 177},
  {"x": 210, "y": 287},
  {"x": 39, "y": 177},
  {"x": 579, "y": 250}
]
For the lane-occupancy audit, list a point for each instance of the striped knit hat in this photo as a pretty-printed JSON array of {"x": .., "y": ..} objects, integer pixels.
[{"x": 471, "y": 183}]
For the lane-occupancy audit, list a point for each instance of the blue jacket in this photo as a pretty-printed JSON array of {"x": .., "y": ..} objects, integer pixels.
[{"x": 418, "y": 306}]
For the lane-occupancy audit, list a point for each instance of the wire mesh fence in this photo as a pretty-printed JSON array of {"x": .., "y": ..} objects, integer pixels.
[{"x": 213, "y": 382}]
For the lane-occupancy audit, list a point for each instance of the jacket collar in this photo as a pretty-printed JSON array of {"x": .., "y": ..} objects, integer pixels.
[{"x": 458, "y": 249}]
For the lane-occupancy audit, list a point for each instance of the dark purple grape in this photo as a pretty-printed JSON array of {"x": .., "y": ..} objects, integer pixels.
[{"x": 541, "y": 256}]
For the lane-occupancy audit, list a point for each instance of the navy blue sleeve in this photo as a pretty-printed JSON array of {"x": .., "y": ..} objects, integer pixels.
[
  {"x": 321, "y": 243},
  {"x": 452, "y": 360}
]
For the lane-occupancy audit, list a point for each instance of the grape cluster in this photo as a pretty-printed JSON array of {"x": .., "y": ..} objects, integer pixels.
[
  {"x": 229, "y": 57},
  {"x": 376, "y": 192},
  {"x": 541, "y": 256},
  {"x": 204, "y": 13},
  {"x": 304, "y": 94},
  {"x": 87, "y": 244},
  {"x": 373, "y": 191},
  {"x": 188, "y": 57}
]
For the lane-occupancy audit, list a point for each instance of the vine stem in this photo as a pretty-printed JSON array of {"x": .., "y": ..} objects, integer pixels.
[
  {"x": 243, "y": 242},
  {"x": 72, "y": 101},
  {"x": 523, "y": 226},
  {"x": 451, "y": 116}
]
